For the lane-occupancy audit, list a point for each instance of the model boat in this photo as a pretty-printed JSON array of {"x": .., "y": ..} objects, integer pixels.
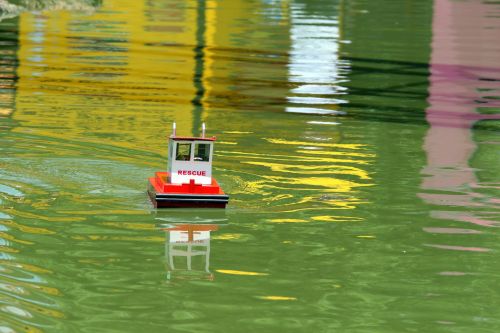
[{"x": 188, "y": 181}]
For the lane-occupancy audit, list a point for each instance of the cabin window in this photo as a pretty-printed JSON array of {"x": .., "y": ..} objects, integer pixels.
[
  {"x": 202, "y": 152},
  {"x": 183, "y": 152}
]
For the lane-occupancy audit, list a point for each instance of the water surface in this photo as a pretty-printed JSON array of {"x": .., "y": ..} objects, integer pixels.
[{"x": 358, "y": 142}]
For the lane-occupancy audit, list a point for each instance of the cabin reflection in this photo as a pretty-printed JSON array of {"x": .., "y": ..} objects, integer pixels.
[{"x": 187, "y": 251}]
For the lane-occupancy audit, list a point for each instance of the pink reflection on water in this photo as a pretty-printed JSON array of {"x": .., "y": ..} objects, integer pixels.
[
  {"x": 465, "y": 200},
  {"x": 458, "y": 248},
  {"x": 464, "y": 76},
  {"x": 464, "y": 217},
  {"x": 455, "y": 273},
  {"x": 451, "y": 231}
]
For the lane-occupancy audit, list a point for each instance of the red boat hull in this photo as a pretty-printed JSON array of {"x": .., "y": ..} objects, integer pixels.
[{"x": 164, "y": 194}]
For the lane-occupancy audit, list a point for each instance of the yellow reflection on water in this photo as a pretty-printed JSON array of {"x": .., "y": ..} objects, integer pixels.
[
  {"x": 118, "y": 238},
  {"x": 14, "y": 265},
  {"x": 317, "y": 144},
  {"x": 80, "y": 74},
  {"x": 228, "y": 237},
  {"x": 130, "y": 226},
  {"x": 319, "y": 218},
  {"x": 29, "y": 215},
  {"x": 287, "y": 220},
  {"x": 27, "y": 229},
  {"x": 11, "y": 238},
  {"x": 227, "y": 143},
  {"x": 237, "y": 132},
  {"x": 5, "y": 111},
  {"x": 331, "y": 218},
  {"x": 112, "y": 75},
  {"x": 315, "y": 179},
  {"x": 314, "y": 169},
  {"x": 342, "y": 153},
  {"x": 7, "y": 249},
  {"x": 330, "y": 184},
  {"x": 27, "y": 267},
  {"x": 277, "y": 298},
  {"x": 26, "y": 308},
  {"x": 236, "y": 272},
  {"x": 105, "y": 212}
]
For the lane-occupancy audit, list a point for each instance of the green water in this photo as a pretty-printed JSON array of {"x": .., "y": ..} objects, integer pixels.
[{"x": 357, "y": 140}]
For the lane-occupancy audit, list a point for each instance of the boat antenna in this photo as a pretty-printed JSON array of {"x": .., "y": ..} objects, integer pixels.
[
  {"x": 203, "y": 130},
  {"x": 173, "y": 128}
]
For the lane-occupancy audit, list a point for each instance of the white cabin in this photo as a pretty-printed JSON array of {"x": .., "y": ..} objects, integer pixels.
[{"x": 190, "y": 159}]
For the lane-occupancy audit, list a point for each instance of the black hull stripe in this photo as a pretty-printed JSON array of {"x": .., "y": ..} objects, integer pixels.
[
  {"x": 191, "y": 200},
  {"x": 190, "y": 196}
]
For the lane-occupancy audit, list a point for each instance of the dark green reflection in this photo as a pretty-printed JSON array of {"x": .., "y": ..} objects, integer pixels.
[{"x": 8, "y": 64}]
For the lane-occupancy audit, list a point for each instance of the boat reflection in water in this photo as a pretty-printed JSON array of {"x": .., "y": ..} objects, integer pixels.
[{"x": 187, "y": 246}]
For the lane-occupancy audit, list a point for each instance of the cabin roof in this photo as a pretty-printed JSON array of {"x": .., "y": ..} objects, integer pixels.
[{"x": 187, "y": 138}]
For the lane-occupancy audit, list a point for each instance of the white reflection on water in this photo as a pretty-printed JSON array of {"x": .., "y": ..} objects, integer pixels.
[
  {"x": 8, "y": 10},
  {"x": 188, "y": 242},
  {"x": 314, "y": 66}
]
